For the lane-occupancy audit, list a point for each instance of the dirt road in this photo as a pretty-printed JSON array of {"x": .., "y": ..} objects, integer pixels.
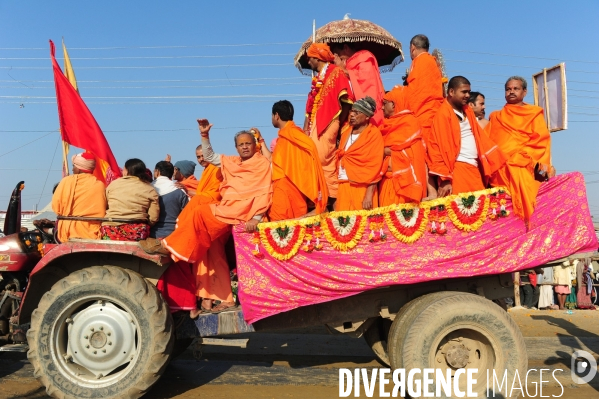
[{"x": 306, "y": 364}]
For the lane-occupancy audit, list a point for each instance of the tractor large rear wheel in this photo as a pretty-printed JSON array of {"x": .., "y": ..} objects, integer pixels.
[{"x": 101, "y": 332}]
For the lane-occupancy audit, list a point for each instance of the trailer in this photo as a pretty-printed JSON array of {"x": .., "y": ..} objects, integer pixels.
[{"x": 416, "y": 281}]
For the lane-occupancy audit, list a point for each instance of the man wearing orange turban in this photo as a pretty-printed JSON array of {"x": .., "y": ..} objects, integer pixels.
[
  {"x": 404, "y": 169},
  {"x": 521, "y": 133},
  {"x": 327, "y": 108}
]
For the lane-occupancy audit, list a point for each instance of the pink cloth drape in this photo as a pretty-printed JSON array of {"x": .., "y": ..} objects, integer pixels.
[{"x": 560, "y": 226}]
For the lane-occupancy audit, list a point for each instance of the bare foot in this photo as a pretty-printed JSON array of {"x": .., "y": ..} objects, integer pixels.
[
  {"x": 193, "y": 314},
  {"x": 223, "y": 306}
]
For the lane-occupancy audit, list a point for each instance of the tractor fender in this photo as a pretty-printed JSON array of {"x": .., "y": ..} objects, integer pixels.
[{"x": 60, "y": 260}]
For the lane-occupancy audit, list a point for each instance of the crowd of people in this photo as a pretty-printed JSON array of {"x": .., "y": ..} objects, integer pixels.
[
  {"x": 570, "y": 285},
  {"x": 360, "y": 147}
]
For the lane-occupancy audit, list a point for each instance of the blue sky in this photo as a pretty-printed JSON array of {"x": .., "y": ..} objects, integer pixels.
[{"x": 148, "y": 70}]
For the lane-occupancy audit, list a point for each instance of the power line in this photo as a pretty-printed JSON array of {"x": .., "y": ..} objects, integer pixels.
[
  {"x": 509, "y": 65},
  {"x": 166, "y": 57},
  {"x": 167, "y": 80},
  {"x": 520, "y": 56},
  {"x": 156, "y": 67},
  {"x": 26, "y": 144},
  {"x": 157, "y": 47}
]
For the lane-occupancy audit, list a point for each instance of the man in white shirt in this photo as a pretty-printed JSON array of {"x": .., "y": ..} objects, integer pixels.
[{"x": 460, "y": 153}]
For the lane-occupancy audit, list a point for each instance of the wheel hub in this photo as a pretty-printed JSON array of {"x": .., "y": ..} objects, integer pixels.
[
  {"x": 456, "y": 354},
  {"x": 101, "y": 338}
]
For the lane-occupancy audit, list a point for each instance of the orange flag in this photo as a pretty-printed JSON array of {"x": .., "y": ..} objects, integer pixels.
[{"x": 78, "y": 126}]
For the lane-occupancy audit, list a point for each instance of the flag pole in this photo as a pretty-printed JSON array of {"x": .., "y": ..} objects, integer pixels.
[{"x": 313, "y": 38}]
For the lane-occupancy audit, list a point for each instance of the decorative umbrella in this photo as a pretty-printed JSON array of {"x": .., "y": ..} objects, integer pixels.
[{"x": 364, "y": 34}]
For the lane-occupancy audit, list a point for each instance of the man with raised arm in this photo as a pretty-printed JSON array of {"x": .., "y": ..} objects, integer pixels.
[
  {"x": 360, "y": 159},
  {"x": 327, "y": 108},
  {"x": 80, "y": 194},
  {"x": 246, "y": 193},
  {"x": 522, "y": 135},
  {"x": 404, "y": 168},
  {"x": 477, "y": 103},
  {"x": 458, "y": 148},
  {"x": 298, "y": 180},
  {"x": 364, "y": 75}
]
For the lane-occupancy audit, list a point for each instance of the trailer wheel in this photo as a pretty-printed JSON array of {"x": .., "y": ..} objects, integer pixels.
[
  {"x": 101, "y": 332},
  {"x": 458, "y": 331}
]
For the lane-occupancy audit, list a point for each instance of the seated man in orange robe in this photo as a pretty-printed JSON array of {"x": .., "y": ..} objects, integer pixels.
[
  {"x": 246, "y": 193},
  {"x": 404, "y": 168},
  {"x": 184, "y": 176},
  {"x": 80, "y": 194},
  {"x": 458, "y": 148},
  {"x": 327, "y": 108},
  {"x": 212, "y": 277},
  {"x": 296, "y": 171},
  {"x": 360, "y": 159},
  {"x": 364, "y": 74},
  {"x": 521, "y": 132},
  {"x": 425, "y": 91}
]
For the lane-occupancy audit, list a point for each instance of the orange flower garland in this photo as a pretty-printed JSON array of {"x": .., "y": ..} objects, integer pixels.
[
  {"x": 282, "y": 242},
  {"x": 344, "y": 232}
]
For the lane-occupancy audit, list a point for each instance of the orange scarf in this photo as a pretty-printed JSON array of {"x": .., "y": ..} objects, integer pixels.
[
  {"x": 446, "y": 141},
  {"x": 400, "y": 133},
  {"x": 296, "y": 157},
  {"x": 363, "y": 159},
  {"x": 209, "y": 184}
]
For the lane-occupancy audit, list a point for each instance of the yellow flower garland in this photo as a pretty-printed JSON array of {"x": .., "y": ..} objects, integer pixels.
[
  {"x": 418, "y": 233},
  {"x": 282, "y": 224}
]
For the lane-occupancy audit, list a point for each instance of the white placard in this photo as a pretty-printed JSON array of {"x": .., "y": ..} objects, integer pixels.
[{"x": 550, "y": 93}]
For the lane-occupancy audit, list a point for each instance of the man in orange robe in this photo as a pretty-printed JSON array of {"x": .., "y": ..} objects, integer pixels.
[
  {"x": 458, "y": 148},
  {"x": 184, "y": 176},
  {"x": 364, "y": 75},
  {"x": 80, "y": 194},
  {"x": 425, "y": 91},
  {"x": 212, "y": 278},
  {"x": 246, "y": 193},
  {"x": 521, "y": 132},
  {"x": 296, "y": 171},
  {"x": 327, "y": 108},
  {"x": 360, "y": 159},
  {"x": 404, "y": 169}
]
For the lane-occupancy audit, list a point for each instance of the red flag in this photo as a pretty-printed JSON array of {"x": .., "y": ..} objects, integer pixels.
[{"x": 78, "y": 126}]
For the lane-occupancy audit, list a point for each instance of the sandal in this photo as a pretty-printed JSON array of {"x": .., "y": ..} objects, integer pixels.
[
  {"x": 153, "y": 246},
  {"x": 224, "y": 306}
]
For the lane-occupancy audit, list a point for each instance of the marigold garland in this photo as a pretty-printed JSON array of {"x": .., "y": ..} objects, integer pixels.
[
  {"x": 458, "y": 211},
  {"x": 347, "y": 241},
  {"x": 344, "y": 230},
  {"x": 407, "y": 234},
  {"x": 290, "y": 247}
]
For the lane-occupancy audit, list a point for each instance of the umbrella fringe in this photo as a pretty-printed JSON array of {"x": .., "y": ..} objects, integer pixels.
[{"x": 388, "y": 68}]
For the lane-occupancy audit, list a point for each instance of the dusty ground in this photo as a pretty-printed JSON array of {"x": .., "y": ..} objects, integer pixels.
[{"x": 304, "y": 364}]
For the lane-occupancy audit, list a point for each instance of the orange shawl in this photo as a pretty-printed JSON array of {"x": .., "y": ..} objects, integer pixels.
[
  {"x": 363, "y": 159},
  {"x": 401, "y": 133},
  {"x": 190, "y": 183},
  {"x": 208, "y": 187},
  {"x": 296, "y": 157},
  {"x": 445, "y": 143},
  {"x": 246, "y": 189},
  {"x": 522, "y": 135},
  {"x": 363, "y": 71},
  {"x": 79, "y": 195},
  {"x": 425, "y": 88}
]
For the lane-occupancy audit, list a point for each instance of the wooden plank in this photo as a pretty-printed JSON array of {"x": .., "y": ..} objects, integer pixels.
[{"x": 240, "y": 343}]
